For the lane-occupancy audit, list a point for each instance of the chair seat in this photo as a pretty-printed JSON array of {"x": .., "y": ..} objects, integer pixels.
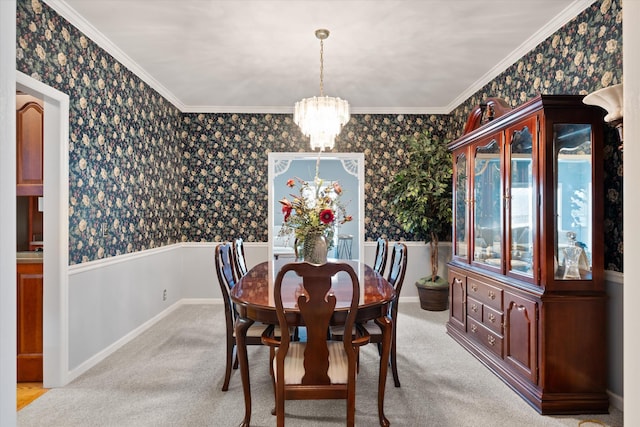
[
  {"x": 257, "y": 329},
  {"x": 294, "y": 363},
  {"x": 371, "y": 327}
]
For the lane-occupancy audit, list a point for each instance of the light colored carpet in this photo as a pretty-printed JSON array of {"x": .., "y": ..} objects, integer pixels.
[{"x": 171, "y": 376}]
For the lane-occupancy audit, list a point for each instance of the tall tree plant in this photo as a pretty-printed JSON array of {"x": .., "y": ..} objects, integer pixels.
[{"x": 420, "y": 192}]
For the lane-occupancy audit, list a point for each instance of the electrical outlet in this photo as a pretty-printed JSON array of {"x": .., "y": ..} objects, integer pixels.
[
  {"x": 105, "y": 229},
  {"x": 164, "y": 295}
]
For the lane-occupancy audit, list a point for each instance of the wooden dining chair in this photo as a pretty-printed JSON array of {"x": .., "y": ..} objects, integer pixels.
[
  {"x": 318, "y": 368},
  {"x": 396, "y": 279},
  {"x": 240, "y": 263},
  {"x": 380, "y": 261},
  {"x": 227, "y": 280}
]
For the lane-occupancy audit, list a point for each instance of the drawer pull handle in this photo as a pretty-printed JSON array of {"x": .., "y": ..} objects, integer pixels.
[
  {"x": 474, "y": 308},
  {"x": 474, "y": 328},
  {"x": 491, "y": 339},
  {"x": 457, "y": 281},
  {"x": 492, "y": 317},
  {"x": 492, "y": 295},
  {"x": 474, "y": 288}
]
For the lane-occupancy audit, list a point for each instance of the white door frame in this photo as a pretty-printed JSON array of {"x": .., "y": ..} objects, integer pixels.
[{"x": 55, "y": 228}]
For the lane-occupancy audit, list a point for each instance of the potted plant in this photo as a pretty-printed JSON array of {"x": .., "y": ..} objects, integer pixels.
[{"x": 420, "y": 196}]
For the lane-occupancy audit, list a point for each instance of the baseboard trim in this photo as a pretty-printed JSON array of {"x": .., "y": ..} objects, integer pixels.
[
  {"x": 191, "y": 301},
  {"x": 99, "y": 357},
  {"x": 616, "y": 401}
]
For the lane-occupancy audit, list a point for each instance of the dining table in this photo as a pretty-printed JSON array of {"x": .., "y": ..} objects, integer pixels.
[{"x": 254, "y": 301}]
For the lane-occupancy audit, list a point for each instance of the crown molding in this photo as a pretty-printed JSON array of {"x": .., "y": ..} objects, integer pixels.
[
  {"x": 289, "y": 110},
  {"x": 569, "y": 13},
  {"x": 78, "y": 21},
  {"x": 67, "y": 12}
]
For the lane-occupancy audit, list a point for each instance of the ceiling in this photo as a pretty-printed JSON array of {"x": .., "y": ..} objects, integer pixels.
[{"x": 261, "y": 56}]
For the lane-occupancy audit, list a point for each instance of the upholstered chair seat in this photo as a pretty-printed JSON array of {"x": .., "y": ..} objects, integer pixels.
[{"x": 294, "y": 363}]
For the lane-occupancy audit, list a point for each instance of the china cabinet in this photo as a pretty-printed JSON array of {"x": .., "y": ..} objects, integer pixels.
[{"x": 526, "y": 277}]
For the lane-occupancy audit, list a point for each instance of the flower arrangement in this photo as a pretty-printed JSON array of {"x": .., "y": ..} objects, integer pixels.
[{"x": 314, "y": 211}]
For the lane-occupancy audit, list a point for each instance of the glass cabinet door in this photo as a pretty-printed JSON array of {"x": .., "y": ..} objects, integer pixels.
[
  {"x": 487, "y": 203},
  {"x": 521, "y": 196},
  {"x": 572, "y": 151},
  {"x": 461, "y": 207}
]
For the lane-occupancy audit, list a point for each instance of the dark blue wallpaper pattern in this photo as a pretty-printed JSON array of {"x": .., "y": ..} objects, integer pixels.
[
  {"x": 124, "y": 151},
  {"x": 156, "y": 176},
  {"x": 225, "y": 161}
]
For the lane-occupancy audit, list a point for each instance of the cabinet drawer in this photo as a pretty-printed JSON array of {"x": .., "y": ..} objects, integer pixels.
[
  {"x": 485, "y": 336},
  {"x": 486, "y": 294},
  {"x": 474, "y": 309},
  {"x": 493, "y": 319}
]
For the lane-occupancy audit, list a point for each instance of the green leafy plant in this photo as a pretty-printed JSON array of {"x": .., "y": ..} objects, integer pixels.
[{"x": 420, "y": 193}]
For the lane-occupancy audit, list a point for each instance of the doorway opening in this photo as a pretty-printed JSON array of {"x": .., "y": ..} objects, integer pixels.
[{"x": 55, "y": 202}]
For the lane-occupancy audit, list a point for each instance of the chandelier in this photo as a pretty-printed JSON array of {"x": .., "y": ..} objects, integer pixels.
[{"x": 321, "y": 117}]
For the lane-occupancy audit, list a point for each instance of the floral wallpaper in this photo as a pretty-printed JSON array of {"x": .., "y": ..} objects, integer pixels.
[
  {"x": 155, "y": 175},
  {"x": 225, "y": 159},
  {"x": 124, "y": 154}
]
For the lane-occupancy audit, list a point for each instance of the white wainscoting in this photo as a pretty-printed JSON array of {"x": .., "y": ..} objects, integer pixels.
[
  {"x": 112, "y": 301},
  {"x": 614, "y": 286}
]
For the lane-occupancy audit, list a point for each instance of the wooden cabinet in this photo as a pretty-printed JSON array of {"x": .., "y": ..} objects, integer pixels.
[
  {"x": 29, "y": 150},
  {"x": 526, "y": 277},
  {"x": 29, "y": 321}
]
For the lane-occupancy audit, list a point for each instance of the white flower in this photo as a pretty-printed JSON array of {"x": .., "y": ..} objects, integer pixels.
[
  {"x": 40, "y": 52},
  {"x": 559, "y": 75},
  {"x": 582, "y": 28},
  {"x": 36, "y": 6}
]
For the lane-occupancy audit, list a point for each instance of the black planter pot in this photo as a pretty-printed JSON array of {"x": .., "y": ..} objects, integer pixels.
[{"x": 434, "y": 296}]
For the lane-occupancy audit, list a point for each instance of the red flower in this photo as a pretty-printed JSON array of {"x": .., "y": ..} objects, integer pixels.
[
  {"x": 286, "y": 208},
  {"x": 290, "y": 183},
  {"x": 326, "y": 216}
]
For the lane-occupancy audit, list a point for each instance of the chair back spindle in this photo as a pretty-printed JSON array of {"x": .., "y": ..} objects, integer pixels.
[
  {"x": 240, "y": 263},
  {"x": 380, "y": 261}
]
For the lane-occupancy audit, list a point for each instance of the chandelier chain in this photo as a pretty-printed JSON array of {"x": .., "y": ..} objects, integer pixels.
[{"x": 321, "y": 67}]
